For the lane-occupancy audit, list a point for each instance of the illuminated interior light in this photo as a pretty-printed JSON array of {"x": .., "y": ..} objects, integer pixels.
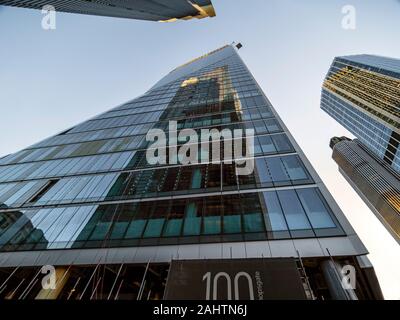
[
  {"x": 190, "y": 81},
  {"x": 203, "y": 12},
  {"x": 168, "y": 20}
]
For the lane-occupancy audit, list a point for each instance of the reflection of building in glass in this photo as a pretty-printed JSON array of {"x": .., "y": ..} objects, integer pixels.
[
  {"x": 118, "y": 222},
  {"x": 153, "y": 10},
  {"x": 362, "y": 93},
  {"x": 17, "y": 231}
]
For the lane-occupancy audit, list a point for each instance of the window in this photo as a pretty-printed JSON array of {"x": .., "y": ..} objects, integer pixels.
[
  {"x": 193, "y": 218},
  {"x": 74, "y": 227},
  {"x": 252, "y": 222},
  {"x": 274, "y": 217},
  {"x": 175, "y": 219},
  {"x": 277, "y": 171},
  {"x": 272, "y": 125},
  {"x": 252, "y": 213},
  {"x": 316, "y": 210},
  {"x": 262, "y": 172},
  {"x": 232, "y": 214},
  {"x": 42, "y": 191},
  {"x": 294, "y": 213},
  {"x": 196, "y": 179},
  {"x": 135, "y": 229},
  {"x": 153, "y": 228},
  {"x": 295, "y": 169},
  {"x": 266, "y": 144},
  {"x": 254, "y": 114},
  {"x": 265, "y": 112},
  {"x": 282, "y": 143},
  {"x": 212, "y": 216},
  {"x": 260, "y": 127},
  {"x": 158, "y": 216}
]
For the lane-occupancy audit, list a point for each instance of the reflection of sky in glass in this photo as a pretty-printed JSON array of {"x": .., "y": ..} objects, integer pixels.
[
  {"x": 90, "y": 64},
  {"x": 61, "y": 226}
]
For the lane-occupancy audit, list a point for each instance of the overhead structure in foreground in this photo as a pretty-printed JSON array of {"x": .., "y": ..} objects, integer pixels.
[{"x": 152, "y": 10}]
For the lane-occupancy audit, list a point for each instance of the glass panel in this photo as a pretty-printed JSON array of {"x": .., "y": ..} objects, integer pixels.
[
  {"x": 119, "y": 230},
  {"x": 46, "y": 224},
  {"x": 19, "y": 193},
  {"x": 87, "y": 230},
  {"x": 184, "y": 178},
  {"x": 154, "y": 228},
  {"x": 262, "y": 172},
  {"x": 265, "y": 112},
  {"x": 196, "y": 179},
  {"x": 282, "y": 143},
  {"x": 212, "y": 216},
  {"x": 135, "y": 229},
  {"x": 266, "y": 144},
  {"x": 18, "y": 224},
  {"x": 192, "y": 221},
  {"x": 232, "y": 224},
  {"x": 213, "y": 176},
  {"x": 232, "y": 214},
  {"x": 274, "y": 213},
  {"x": 294, "y": 168},
  {"x": 317, "y": 212},
  {"x": 212, "y": 225},
  {"x": 60, "y": 225},
  {"x": 76, "y": 225},
  {"x": 259, "y": 127},
  {"x": 294, "y": 213},
  {"x": 272, "y": 125},
  {"x": 173, "y": 228},
  {"x": 278, "y": 172},
  {"x": 257, "y": 146},
  {"x": 175, "y": 219},
  {"x": 254, "y": 114},
  {"x": 100, "y": 231},
  {"x": 253, "y": 222}
]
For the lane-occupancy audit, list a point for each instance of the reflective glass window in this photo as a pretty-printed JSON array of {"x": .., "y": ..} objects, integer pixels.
[
  {"x": 274, "y": 217},
  {"x": 316, "y": 210},
  {"x": 294, "y": 213}
]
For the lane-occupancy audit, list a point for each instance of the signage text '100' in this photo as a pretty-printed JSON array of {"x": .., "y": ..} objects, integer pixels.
[{"x": 223, "y": 275}]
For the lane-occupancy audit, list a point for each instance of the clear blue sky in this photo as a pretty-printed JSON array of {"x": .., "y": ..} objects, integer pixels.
[{"x": 51, "y": 80}]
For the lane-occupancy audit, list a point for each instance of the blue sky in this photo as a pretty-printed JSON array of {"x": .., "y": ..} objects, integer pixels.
[{"x": 51, "y": 80}]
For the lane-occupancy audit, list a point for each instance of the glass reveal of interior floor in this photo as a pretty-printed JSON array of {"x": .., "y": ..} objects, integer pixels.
[{"x": 92, "y": 187}]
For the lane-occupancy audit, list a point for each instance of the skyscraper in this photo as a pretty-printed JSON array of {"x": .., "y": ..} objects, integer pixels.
[
  {"x": 362, "y": 93},
  {"x": 377, "y": 185},
  {"x": 116, "y": 225},
  {"x": 152, "y": 10}
]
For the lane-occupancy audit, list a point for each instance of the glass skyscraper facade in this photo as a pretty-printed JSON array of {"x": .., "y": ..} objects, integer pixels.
[
  {"x": 372, "y": 180},
  {"x": 152, "y": 10},
  {"x": 362, "y": 93},
  {"x": 88, "y": 199}
]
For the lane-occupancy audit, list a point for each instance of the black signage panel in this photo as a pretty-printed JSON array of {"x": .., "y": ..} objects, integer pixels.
[{"x": 234, "y": 279}]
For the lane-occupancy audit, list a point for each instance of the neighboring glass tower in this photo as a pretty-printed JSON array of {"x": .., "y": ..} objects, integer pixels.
[
  {"x": 373, "y": 180},
  {"x": 160, "y": 10},
  {"x": 362, "y": 93},
  {"x": 89, "y": 202}
]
